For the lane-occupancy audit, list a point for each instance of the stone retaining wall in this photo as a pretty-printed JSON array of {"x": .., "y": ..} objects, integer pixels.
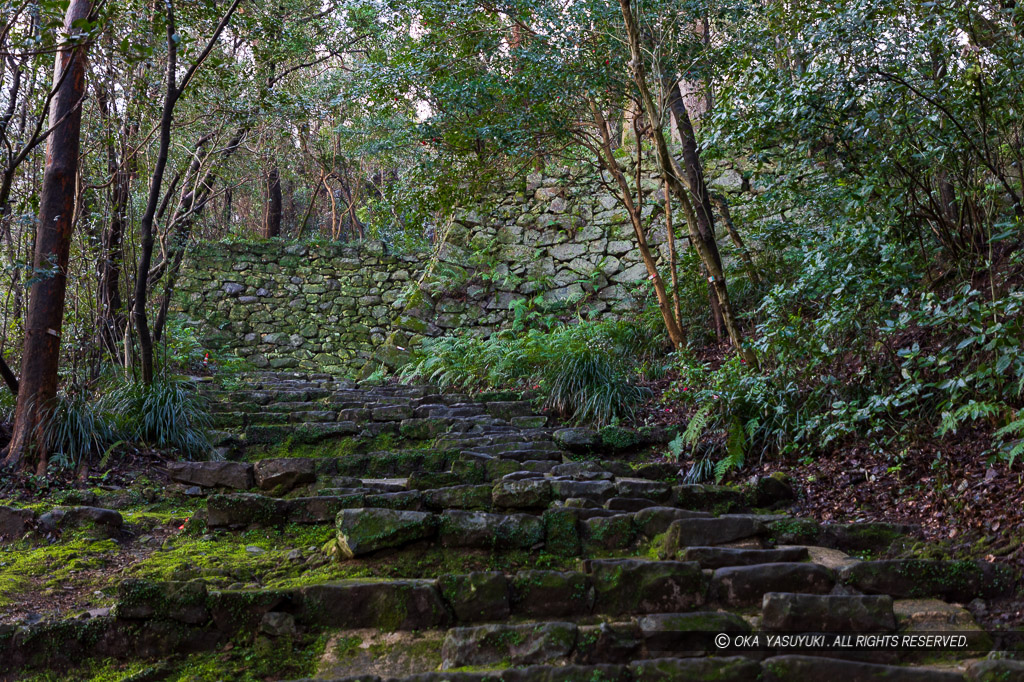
[{"x": 560, "y": 236}]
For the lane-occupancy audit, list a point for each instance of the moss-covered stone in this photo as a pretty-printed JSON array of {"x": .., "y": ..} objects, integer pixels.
[{"x": 365, "y": 530}]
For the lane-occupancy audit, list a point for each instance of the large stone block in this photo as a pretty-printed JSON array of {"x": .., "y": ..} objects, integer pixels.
[{"x": 365, "y": 530}]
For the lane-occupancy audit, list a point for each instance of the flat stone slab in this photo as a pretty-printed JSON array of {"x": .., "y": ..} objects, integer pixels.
[
  {"x": 388, "y": 605},
  {"x": 625, "y": 586},
  {"x": 551, "y": 594},
  {"x": 653, "y": 521},
  {"x": 284, "y": 473},
  {"x": 490, "y": 531},
  {"x": 524, "y": 494},
  {"x": 746, "y": 585},
  {"x": 959, "y": 581},
  {"x": 731, "y": 669},
  {"x": 687, "y": 634},
  {"x": 486, "y": 645},
  {"x": 817, "y": 669},
  {"x": 477, "y": 596},
  {"x": 238, "y": 475},
  {"x": 708, "y": 532},
  {"x": 718, "y": 557},
  {"x": 789, "y": 612}
]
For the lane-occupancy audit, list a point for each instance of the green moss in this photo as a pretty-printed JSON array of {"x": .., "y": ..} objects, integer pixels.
[
  {"x": 25, "y": 566},
  {"x": 226, "y": 559}
]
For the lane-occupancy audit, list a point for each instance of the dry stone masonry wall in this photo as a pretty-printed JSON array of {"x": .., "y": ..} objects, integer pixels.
[{"x": 559, "y": 235}]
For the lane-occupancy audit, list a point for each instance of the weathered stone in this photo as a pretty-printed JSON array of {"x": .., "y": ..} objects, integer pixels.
[
  {"x": 14, "y": 523},
  {"x": 561, "y": 531},
  {"x": 608, "y": 532},
  {"x": 653, "y": 521},
  {"x": 213, "y": 474},
  {"x": 715, "y": 498},
  {"x": 458, "y": 497},
  {"x": 767, "y": 491},
  {"x": 181, "y": 601},
  {"x": 551, "y": 594},
  {"x": 387, "y": 605},
  {"x": 827, "y": 613},
  {"x": 718, "y": 557},
  {"x": 363, "y": 530},
  {"x": 476, "y": 596},
  {"x": 243, "y": 509},
  {"x": 659, "y": 492},
  {"x": 283, "y": 474},
  {"x": 577, "y": 440},
  {"x": 614, "y": 642},
  {"x": 959, "y": 581},
  {"x": 623, "y": 586},
  {"x": 525, "y": 494},
  {"x": 490, "y": 531},
  {"x": 859, "y": 537},
  {"x": 746, "y": 585},
  {"x": 793, "y": 668},
  {"x": 629, "y": 504},
  {"x": 732, "y": 669},
  {"x": 582, "y": 471},
  {"x": 704, "y": 532},
  {"x": 996, "y": 670},
  {"x": 486, "y": 645},
  {"x": 599, "y": 491},
  {"x": 106, "y": 522},
  {"x": 278, "y": 624},
  {"x": 392, "y": 413},
  {"x": 687, "y": 634}
]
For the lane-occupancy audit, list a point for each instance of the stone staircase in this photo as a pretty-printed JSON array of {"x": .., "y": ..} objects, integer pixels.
[
  {"x": 312, "y": 408},
  {"x": 629, "y": 574}
]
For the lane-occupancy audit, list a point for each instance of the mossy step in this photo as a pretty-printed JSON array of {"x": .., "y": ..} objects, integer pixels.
[{"x": 733, "y": 669}]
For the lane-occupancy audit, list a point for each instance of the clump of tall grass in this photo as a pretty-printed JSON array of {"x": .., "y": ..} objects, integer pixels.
[
  {"x": 587, "y": 371},
  {"x": 165, "y": 414}
]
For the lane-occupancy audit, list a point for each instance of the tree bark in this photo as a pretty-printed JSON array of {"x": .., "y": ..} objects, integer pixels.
[
  {"x": 272, "y": 224},
  {"x": 607, "y": 160},
  {"x": 685, "y": 183},
  {"x": 171, "y": 96},
  {"x": 45, "y": 317},
  {"x": 9, "y": 378}
]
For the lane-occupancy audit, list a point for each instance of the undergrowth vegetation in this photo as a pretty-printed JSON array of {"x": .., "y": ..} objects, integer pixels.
[
  {"x": 588, "y": 372},
  {"x": 165, "y": 414}
]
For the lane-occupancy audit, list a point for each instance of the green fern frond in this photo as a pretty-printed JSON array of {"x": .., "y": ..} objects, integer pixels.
[{"x": 698, "y": 424}]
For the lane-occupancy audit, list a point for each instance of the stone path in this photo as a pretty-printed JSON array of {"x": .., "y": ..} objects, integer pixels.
[{"x": 633, "y": 573}]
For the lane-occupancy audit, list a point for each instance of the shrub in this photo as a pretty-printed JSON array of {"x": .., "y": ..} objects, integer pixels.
[
  {"x": 167, "y": 413},
  {"x": 586, "y": 371},
  {"x": 75, "y": 430}
]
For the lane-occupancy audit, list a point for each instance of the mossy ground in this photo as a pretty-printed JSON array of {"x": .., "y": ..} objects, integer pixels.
[
  {"x": 47, "y": 568},
  {"x": 241, "y": 661}
]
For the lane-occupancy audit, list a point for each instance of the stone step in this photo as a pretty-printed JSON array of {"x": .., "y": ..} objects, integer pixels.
[{"x": 783, "y": 668}]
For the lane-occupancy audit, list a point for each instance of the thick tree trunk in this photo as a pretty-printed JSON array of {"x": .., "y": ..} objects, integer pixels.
[
  {"x": 272, "y": 223},
  {"x": 38, "y": 389}
]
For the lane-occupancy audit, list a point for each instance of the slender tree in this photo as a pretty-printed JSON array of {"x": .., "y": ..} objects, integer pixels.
[{"x": 146, "y": 234}]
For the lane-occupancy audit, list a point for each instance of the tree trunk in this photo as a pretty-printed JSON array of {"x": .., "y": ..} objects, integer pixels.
[
  {"x": 607, "y": 160},
  {"x": 171, "y": 96},
  {"x": 685, "y": 183},
  {"x": 38, "y": 389},
  {"x": 9, "y": 378},
  {"x": 272, "y": 223}
]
